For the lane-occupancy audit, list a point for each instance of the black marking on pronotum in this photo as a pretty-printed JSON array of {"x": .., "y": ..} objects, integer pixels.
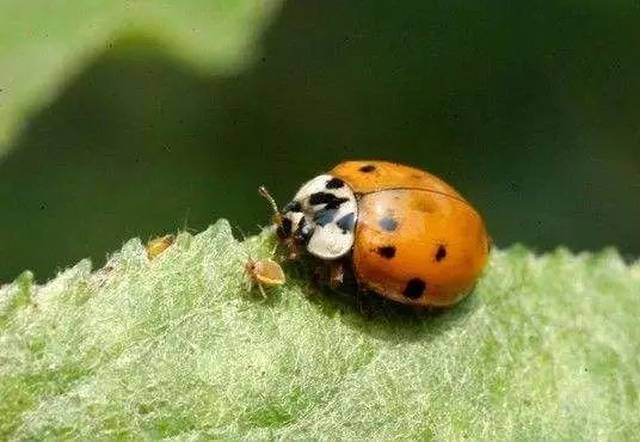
[
  {"x": 293, "y": 206},
  {"x": 415, "y": 288},
  {"x": 347, "y": 222},
  {"x": 304, "y": 230},
  {"x": 324, "y": 216},
  {"x": 284, "y": 229},
  {"x": 388, "y": 223},
  {"x": 368, "y": 168},
  {"x": 387, "y": 252},
  {"x": 441, "y": 253},
  {"x": 336, "y": 203},
  {"x": 321, "y": 198},
  {"x": 331, "y": 201},
  {"x": 334, "y": 183}
]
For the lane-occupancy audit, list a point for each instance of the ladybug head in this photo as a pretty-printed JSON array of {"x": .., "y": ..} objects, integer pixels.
[
  {"x": 288, "y": 223},
  {"x": 320, "y": 219}
]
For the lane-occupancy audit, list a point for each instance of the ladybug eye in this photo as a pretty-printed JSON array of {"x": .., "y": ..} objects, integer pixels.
[
  {"x": 284, "y": 228},
  {"x": 293, "y": 206}
]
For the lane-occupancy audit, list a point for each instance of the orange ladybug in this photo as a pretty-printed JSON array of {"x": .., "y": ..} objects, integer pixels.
[{"x": 406, "y": 234}]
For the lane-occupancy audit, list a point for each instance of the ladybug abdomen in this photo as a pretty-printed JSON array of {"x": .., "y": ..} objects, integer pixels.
[{"x": 418, "y": 247}]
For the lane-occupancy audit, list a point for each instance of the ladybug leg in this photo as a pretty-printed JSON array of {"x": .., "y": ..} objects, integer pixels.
[
  {"x": 293, "y": 250},
  {"x": 363, "y": 300},
  {"x": 331, "y": 274},
  {"x": 318, "y": 275},
  {"x": 336, "y": 274}
]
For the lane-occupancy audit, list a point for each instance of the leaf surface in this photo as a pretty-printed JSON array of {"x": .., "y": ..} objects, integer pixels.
[{"x": 546, "y": 348}]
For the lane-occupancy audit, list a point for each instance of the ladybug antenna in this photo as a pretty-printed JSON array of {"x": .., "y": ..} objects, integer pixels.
[
  {"x": 265, "y": 193},
  {"x": 277, "y": 217}
]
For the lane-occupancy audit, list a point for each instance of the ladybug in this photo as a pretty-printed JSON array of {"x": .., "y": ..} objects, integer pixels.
[{"x": 406, "y": 234}]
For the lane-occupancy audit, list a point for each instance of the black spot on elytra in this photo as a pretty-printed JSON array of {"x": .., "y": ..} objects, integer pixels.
[
  {"x": 293, "y": 206},
  {"x": 347, "y": 222},
  {"x": 415, "y": 288},
  {"x": 368, "y": 168},
  {"x": 284, "y": 229},
  {"x": 334, "y": 183},
  {"x": 387, "y": 252},
  {"x": 331, "y": 201},
  {"x": 388, "y": 223},
  {"x": 441, "y": 253},
  {"x": 325, "y": 216}
]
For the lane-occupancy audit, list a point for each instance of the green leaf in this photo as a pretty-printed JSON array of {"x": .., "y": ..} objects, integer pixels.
[
  {"x": 44, "y": 44},
  {"x": 546, "y": 348}
]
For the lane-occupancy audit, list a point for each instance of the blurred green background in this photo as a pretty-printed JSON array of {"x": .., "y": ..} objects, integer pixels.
[{"x": 531, "y": 110}]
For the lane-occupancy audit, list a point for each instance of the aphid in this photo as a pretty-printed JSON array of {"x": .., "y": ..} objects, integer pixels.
[
  {"x": 404, "y": 233},
  {"x": 265, "y": 273},
  {"x": 158, "y": 245}
]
